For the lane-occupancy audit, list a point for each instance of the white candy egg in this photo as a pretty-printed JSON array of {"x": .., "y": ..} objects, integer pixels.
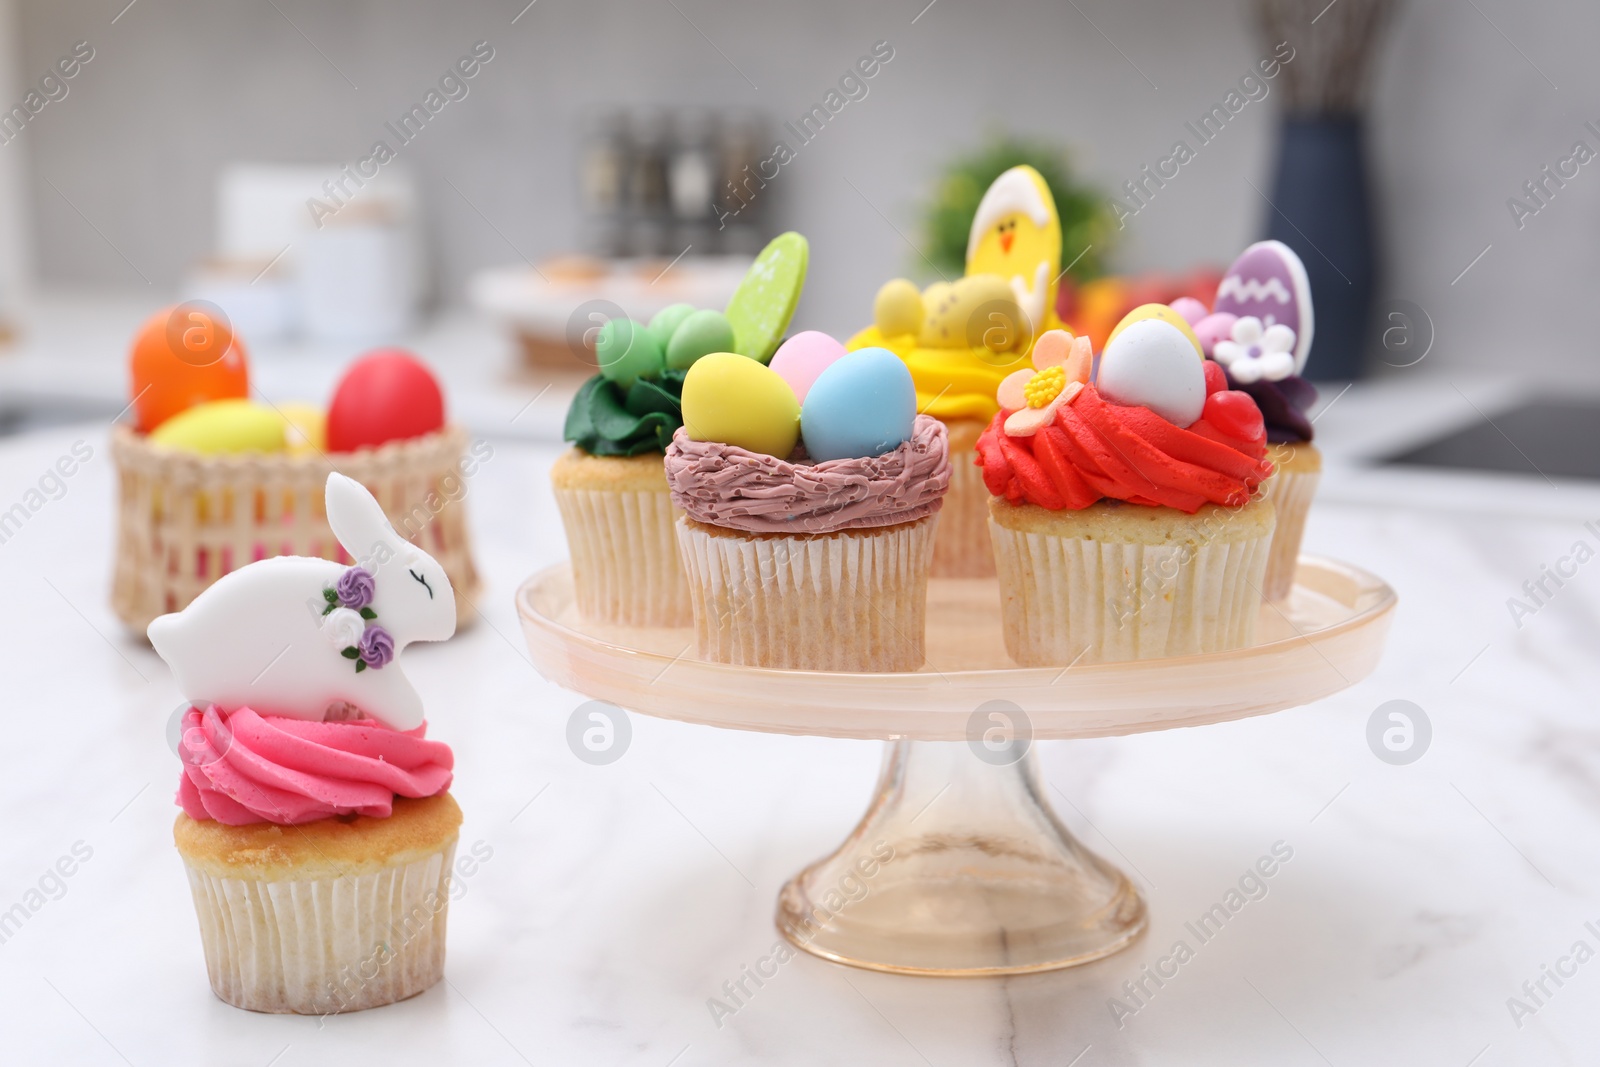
[{"x": 1152, "y": 364}]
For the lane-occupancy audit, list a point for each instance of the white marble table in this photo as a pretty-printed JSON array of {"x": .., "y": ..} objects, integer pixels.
[{"x": 620, "y": 898}]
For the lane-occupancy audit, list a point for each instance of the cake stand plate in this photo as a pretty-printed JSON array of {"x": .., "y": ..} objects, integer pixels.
[{"x": 959, "y": 866}]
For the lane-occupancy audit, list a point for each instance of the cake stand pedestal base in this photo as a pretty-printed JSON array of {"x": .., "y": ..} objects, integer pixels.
[{"x": 960, "y": 867}]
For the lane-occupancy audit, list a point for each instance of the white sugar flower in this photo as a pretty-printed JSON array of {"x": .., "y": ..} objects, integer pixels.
[
  {"x": 343, "y": 627},
  {"x": 1255, "y": 354}
]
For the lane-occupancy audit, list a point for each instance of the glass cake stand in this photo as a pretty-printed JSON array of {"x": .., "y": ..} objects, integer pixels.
[{"x": 959, "y": 866}]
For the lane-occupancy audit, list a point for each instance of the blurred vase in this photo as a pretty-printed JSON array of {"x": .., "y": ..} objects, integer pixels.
[{"x": 1324, "y": 212}]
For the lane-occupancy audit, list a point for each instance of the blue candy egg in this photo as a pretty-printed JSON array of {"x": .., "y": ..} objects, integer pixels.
[{"x": 863, "y": 404}]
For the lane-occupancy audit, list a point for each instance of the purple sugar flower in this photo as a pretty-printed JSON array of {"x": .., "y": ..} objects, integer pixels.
[
  {"x": 376, "y": 646},
  {"x": 355, "y": 588}
]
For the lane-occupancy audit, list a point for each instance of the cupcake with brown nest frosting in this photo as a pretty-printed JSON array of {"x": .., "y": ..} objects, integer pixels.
[{"x": 813, "y": 555}]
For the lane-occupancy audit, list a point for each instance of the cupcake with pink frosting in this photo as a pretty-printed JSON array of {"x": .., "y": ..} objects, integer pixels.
[
  {"x": 316, "y": 827},
  {"x": 810, "y": 491}
]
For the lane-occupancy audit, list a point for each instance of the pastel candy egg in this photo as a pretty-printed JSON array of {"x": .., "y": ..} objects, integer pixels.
[
  {"x": 1269, "y": 281},
  {"x": 223, "y": 426},
  {"x": 1191, "y": 309},
  {"x": 627, "y": 351},
  {"x": 305, "y": 428},
  {"x": 863, "y": 404},
  {"x": 897, "y": 309},
  {"x": 1213, "y": 328},
  {"x": 667, "y": 320},
  {"x": 700, "y": 333},
  {"x": 801, "y": 358},
  {"x": 1151, "y": 364},
  {"x": 1163, "y": 313},
  {"x": 735, "y": 400}
]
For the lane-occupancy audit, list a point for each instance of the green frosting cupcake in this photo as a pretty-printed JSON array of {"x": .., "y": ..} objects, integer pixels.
[{"x": 608, "y": 420}]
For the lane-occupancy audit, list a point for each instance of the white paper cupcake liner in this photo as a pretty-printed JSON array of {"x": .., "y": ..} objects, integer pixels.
[
  {"x": 1290, "y": 493},
  {"x": 325, "y": 946},
  {"x": 625, "y": 565},
  {"x": 849, "y": 601},
  {"x": 961, "y": 545},
  {"x": 1072, "y": 600}
]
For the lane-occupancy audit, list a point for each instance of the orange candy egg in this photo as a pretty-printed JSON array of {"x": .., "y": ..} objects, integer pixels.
[{"x": 183, "y": 356}]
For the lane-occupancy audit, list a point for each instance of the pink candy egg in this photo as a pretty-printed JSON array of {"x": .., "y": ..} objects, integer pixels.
[
  {"x": 803, "y": 357},
  {"x": 1214, "y": 328},
  {"x": 1191, "y": 309}
]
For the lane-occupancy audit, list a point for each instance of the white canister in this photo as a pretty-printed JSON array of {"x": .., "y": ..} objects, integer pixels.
[{"x": 356, "y": 276}]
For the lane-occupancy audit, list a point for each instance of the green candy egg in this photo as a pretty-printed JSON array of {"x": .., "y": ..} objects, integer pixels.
[
  {"x": 667, "y": 320},
  {"x": 627, "y": 351},
  {"x": 699, "y": 335}
]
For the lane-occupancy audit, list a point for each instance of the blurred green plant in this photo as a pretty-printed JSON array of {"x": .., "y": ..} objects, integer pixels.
[{"x": 1086, "y": 219}]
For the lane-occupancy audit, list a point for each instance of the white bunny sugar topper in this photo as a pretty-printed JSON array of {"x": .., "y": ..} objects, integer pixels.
[{"x": 294, "y": 635}]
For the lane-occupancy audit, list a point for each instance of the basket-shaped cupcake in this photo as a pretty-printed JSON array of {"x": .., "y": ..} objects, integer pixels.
[
  {"x": 810, "y": 496},
  {"x": 210, "y": 481}
]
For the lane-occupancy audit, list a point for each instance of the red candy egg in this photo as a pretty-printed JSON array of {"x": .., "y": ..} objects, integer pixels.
[
  {"x": 1235, "y": 414},
  {"x": 386, "y": 395}
]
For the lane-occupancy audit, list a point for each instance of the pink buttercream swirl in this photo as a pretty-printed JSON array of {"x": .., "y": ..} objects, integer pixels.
[
  {"x": 242, "y": 767},
  {"x": 725, "y": 485}
]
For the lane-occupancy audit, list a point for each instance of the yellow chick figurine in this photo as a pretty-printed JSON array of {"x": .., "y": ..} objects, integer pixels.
[
  {"x": 960, "y": 338},
  {"x": 1016, "y": 234}
]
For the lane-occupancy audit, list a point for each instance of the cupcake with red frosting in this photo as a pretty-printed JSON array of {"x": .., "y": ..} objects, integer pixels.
[
  {"x": 810, "y": 491},
  {"x": 316, "y": 826},
  {"x": 1125, "y": 516}
]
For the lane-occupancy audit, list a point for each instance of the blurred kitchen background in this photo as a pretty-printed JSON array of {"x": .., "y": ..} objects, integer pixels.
[{"x": 180, "y": 158}]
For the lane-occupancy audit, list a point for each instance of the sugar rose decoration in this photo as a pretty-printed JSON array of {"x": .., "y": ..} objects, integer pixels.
[
  {"x": 355, "y": 588},
  {"x": 351, "y": 625},
  {"x": 375, "y": 648},
  {"x": 342, "y": 626}
]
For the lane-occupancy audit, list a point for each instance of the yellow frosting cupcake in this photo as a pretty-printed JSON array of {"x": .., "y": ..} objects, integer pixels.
[{"x": 961, "y": 339}]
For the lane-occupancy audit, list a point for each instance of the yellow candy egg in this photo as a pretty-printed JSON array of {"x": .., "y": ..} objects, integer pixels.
[
  {"x": 305, "y": 428},
  {"x": 735, "y": 400},
  {"x": 1165, "y": 314},
  {"x": 898, "y": 308},
  {"x": 222, "y": 426}
]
